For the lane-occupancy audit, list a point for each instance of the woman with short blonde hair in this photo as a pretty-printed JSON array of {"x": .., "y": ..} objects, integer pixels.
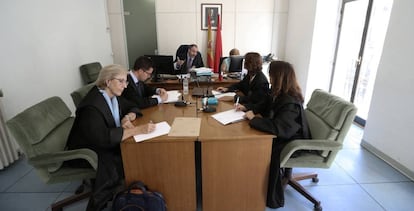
[{"x": 103, "y": 120}]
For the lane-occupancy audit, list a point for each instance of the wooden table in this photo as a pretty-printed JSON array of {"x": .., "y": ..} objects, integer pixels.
[
  {"x": 177, "y": 85},
  {"x": 229, "y": 163}
]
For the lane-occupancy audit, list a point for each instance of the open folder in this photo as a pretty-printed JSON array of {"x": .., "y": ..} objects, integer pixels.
[{"x": 230, "y": 116}]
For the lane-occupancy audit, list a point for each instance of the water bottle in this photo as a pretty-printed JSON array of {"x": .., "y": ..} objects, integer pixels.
[{"x": 185, "y": 86}]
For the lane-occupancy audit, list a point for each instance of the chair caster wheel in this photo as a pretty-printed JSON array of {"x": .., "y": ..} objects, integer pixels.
[{"x": 315, "y": 180}]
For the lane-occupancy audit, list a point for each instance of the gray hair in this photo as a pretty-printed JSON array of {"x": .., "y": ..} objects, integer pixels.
[{"x": 109, "y": 72}]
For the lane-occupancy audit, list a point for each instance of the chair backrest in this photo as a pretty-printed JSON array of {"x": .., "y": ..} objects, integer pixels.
[
  {"x": 42, "y": 128},
  {"x": 222, "y": 60},
  {"x": 329, "y": 117},
  {"x": 80, "y": 93},
  {"x": 182, "y": 49},
  {"x": 236, "y": 63},
  {"x": 90, "y": 72}
]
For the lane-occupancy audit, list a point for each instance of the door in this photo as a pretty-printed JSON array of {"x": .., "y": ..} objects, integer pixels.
[
  {"x": 140, "y": 27},
  {"x": 361, "y": 35}
]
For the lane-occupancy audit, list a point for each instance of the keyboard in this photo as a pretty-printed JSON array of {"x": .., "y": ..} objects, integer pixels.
[
  {"x": 168, "y": 76},
  {"x": 235, "y": 75}
]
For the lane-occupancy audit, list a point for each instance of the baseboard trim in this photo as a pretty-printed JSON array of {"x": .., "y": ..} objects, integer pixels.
[{"x": 395, "y": 164}]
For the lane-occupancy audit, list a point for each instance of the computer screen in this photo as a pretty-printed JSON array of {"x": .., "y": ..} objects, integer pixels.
[
  {"x": 236, "y": 63},
  {"x": 163, "y": 64}
]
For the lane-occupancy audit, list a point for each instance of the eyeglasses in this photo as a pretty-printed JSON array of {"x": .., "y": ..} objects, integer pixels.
[
  {"x": 148, "y": 73},
  {"x": 122, "y": 81}
]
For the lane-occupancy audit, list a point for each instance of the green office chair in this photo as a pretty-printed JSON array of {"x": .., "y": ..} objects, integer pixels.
[
  {"x": 90, "y": 72},
  {"x": 80, "y": 93},
  {"x": 329, "y": 118},
  {"x": 42, "y": 131}
]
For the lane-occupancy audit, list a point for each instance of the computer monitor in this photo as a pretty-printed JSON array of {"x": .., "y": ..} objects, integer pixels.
[
  {"x": 162, "y": 64},
  {"x": 236, "y": 63}
]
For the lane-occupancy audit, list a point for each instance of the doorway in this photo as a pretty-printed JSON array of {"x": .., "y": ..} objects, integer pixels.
[
  {"x": 140, "y": 29},
  {"x": 361, "y": 35}
]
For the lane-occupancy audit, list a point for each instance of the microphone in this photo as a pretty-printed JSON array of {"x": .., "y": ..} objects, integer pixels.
[
  {"x": 181, "y": 103},
  {"x": 207, "y": 108}
]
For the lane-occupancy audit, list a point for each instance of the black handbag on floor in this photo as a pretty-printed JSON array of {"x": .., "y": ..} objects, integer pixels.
[{"x": 138, "y": 197}]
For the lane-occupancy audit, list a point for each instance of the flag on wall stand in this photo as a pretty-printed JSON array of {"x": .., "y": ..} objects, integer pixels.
[
  {"x": 218, "y": 49},
  {"x": 210, "y": 59}
]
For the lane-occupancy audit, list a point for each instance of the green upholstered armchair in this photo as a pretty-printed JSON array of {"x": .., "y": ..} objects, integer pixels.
[
  {"x": 42, "y": 131},
  {"x": 90, "y": 72},
  {"x": 80, "y": 93},
  {"x": 329, "y": 118}
]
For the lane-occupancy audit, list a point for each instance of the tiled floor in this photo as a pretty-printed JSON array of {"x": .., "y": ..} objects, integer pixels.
[{"x": 356, "y": 181}]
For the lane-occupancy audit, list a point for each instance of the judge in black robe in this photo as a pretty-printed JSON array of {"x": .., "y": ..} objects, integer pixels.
[
  {"x": 103, "y": 120},
  {"x": 254, "y": 88},
  {"x": 285, "y": 119}
]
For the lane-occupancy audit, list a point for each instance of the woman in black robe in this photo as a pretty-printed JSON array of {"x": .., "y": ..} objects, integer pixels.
[
  {"x": 285, "y": 118},
  {"x": 254, "y": 87},
  {"x": 102, "y": 122}
]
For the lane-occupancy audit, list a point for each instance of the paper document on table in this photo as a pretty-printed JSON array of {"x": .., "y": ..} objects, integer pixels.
[
  {"x": 185, "y": 126},
  {"x": 203, "y": 71},
  {"x": 173, "y": 96},
  {"x": 161, "y": 128},
  {"x": 218, "y": 94},
  {"x": 230, "y": 116}
]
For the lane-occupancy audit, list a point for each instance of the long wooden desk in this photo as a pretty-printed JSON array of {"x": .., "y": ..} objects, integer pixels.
[
  {"x": 177, "y": 85},
  {"x": 233, "y": 160}
]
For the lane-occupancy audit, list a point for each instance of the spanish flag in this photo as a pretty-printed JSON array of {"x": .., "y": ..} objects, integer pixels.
[
  {"x": 210, "y": 59},
  {"x": 218, "y": 50}
]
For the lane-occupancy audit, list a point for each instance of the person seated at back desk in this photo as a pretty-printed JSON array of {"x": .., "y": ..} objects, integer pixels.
[
  {"x": 137, "y": 91},
  {"x": 187, "y": 57},
  {"x": 226, "y": 62},
  {"x": 254, "y": 87}
]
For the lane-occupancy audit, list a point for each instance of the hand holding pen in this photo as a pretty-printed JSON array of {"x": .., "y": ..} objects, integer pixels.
[
  {"x": 238, "y": 106},
  {"x": 149, "y": 127},
  {"x": 237, "y": 101}
]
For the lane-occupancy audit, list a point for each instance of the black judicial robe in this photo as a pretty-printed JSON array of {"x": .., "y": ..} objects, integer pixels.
[
  {"x": 287, "y": 121},
  {"x": 142, "y": 98},
  {"x": 94, "y": 128},
  {"x": 256, "y": 92}
]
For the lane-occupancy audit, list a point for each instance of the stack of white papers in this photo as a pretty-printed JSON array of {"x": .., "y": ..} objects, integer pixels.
[
  {"x": 219, "y": 95},
  {"x": 203, "y": 71},
  {"x": 161, "y": 128},
  {"x": 230, "y": 116},
  {"x": 173, "y": 96}
]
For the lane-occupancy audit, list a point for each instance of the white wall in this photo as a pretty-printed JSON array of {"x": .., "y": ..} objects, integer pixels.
[
  {"x": 390, "y": 124},
  {"x": 299, "y": 37},
  {"x": 248, "y": 29},
  {"x": 43, "y": 44}
]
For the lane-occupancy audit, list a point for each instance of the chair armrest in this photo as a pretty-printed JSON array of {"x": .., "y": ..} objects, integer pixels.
[
  {"x": 59, "y": 157},
  {"x": 308, "y": 144}
]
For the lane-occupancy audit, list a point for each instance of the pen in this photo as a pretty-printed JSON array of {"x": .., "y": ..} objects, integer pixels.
[{"x": 237, "y": 101}]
